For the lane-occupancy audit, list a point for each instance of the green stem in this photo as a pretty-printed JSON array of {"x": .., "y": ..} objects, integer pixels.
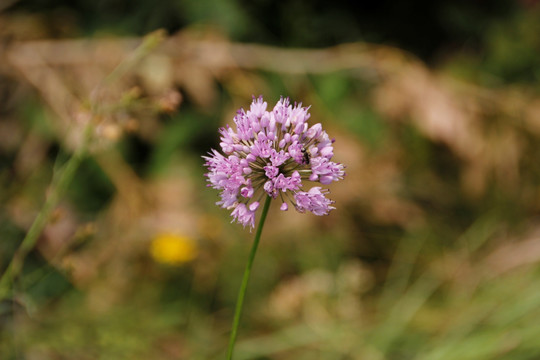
[
  {"x": 247, "y": 272},
  {"x": 66, "y": 174},
  {"x": 64, "y": 178}
]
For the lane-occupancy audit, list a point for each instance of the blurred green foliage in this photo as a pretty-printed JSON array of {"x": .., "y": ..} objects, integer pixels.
[{"x": 432, "y": 252}]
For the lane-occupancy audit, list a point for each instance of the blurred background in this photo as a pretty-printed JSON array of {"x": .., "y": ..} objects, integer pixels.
[{"x": 432, "y": 253}]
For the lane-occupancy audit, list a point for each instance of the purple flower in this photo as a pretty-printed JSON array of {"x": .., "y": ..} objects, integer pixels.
[{"x": 273, "y": 153}]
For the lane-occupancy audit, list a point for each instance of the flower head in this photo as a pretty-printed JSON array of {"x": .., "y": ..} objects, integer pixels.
[
  {"x": 172, "y": 249},
  {"x": 275, "y": 153}
]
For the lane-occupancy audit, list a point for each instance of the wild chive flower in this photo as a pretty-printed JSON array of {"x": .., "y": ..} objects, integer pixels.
[{"x": 275, "y": 153}]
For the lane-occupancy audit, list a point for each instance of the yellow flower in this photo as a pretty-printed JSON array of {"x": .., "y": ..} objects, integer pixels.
[{"x": 172, "y": 249}]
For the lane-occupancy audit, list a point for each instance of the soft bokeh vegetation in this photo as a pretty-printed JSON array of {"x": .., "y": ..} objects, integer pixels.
[{"x": 433, "y": 251}]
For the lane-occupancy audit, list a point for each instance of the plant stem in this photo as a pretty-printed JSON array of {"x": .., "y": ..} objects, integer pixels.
[
  {"x": 63, "y": 179},
  {"x": 247, "y": 272},
  {"x": 66, "y": 174}
]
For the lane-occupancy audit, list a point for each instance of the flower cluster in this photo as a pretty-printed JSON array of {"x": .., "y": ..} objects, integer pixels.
[{"x": 273, "y": 153}]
